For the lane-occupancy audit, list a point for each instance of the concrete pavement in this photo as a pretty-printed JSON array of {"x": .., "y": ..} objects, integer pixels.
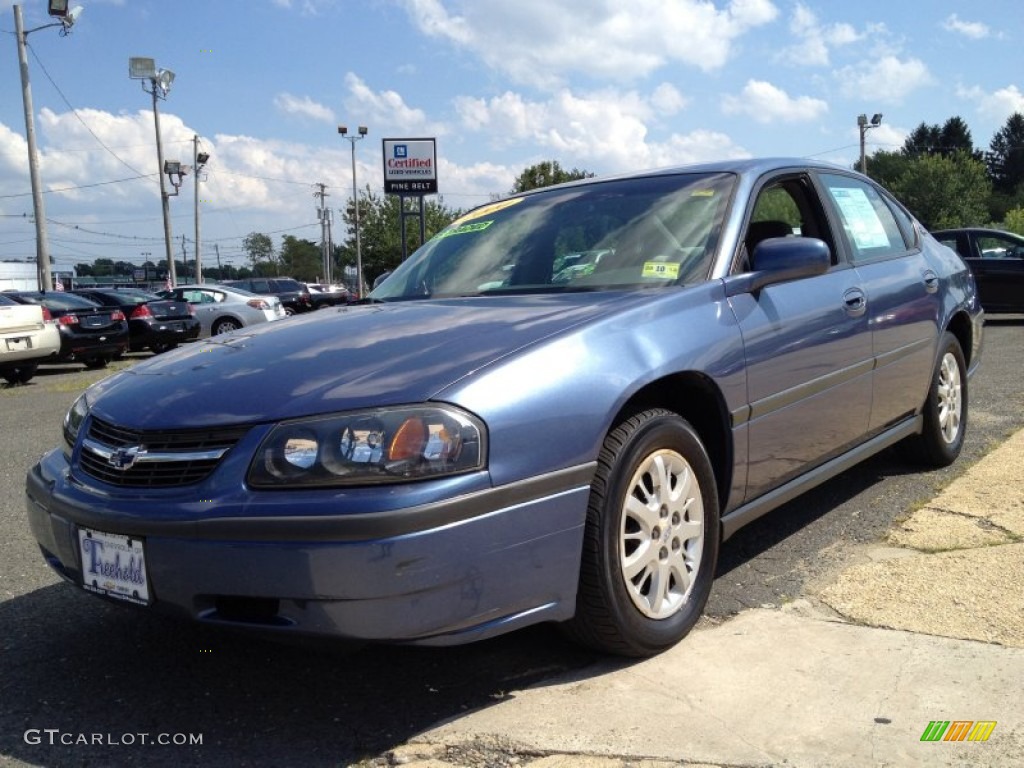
[{"x": 927, "y": 626}]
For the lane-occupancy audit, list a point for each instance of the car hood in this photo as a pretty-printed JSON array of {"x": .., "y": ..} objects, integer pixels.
[{"x": 339, "y": 359}]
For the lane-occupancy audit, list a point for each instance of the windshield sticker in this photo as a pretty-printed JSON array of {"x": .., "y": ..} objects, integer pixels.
[
  {"x": 660, "y": 270},
  {"x": 487, "y": 210},
  {"x": 865, "y": 227},
  {"x": 703, "y": 193},
  {"x": 479, "y": 226}
]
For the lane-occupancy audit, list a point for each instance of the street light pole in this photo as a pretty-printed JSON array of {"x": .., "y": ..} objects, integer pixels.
[
  {"x": 160, "y": 84},
  {"x": 363, "y": 130},
  {"x": 198, "y": 161},
  {"x": 865, "y": 126},
  {"x": 44, "y": 278}
]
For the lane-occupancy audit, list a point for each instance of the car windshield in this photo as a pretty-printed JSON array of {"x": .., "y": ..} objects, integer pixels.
[{"x": 656, "y": 231}]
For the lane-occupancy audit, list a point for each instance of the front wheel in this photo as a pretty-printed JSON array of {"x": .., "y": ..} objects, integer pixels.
[
  {"x": 651, "y": 539},
  {"x": 95, "y": 363},
  {"x": 945, "y": 409}
]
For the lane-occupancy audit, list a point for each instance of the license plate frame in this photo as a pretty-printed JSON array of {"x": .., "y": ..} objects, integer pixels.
[{"x": 114, "y": 565}]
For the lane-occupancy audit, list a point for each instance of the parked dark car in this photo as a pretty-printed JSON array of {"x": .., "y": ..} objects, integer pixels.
[
  {"x": 322, "y": 295},
  {"x": 997, "y": 260},
  {"x": 89, "y": 333},
  {"x": 293, "y": 294},
  {"x": 478, "y": 447},
  {"x": 153, "y": 323}
]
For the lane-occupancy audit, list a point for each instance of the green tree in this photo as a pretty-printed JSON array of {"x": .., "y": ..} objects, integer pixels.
[
  {"x": 260, "y": 249},
  {"x": 954, "y": 136},
  {"x": 923, "y": 140},
  {"x": 1005, "y": 159},
  {"x": 546, "y": 174},
  {"x": 886, "y": 167},
  {"x": 945, "y": 192},
  {"x": 380, "y": 230},
  {"x": 301, "y": 259},
  {"x": 1014, "y": 221}
]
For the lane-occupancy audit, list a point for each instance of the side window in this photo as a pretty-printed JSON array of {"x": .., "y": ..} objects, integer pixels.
[
  {"x": 995, "y": 247},
  {"x": 868, "y": 222},
  {"x": 787, "y": 207},
  {"x": 260, "y": 286}
]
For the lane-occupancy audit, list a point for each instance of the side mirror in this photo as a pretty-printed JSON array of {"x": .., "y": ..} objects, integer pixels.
[{"x": 779, "y": 260}]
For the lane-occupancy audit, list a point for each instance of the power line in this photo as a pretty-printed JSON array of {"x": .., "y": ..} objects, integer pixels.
[{"x": 78, "y": 116}]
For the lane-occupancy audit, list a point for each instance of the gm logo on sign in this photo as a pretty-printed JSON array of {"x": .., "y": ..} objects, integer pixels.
[
  {"x": 958, "y": 730},
  {"x": 401, "y": 150}
]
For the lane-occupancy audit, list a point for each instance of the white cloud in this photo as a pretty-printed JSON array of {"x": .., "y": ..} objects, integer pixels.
[
  {"x": 609, "y": 127},
  {"x": 387, "y": 108},
  {"x": 972, "y": 29},
  {"x": 541, "y": 42},
  {"x": 304, "y": 106},
  {"x": 766, "y": 103},
  {"x": 815, "y": 40},
  {"x": 996, "y": 106},
  {"x": 886, "y": 80}
]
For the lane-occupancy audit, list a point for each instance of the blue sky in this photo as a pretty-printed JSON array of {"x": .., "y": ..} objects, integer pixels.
[{"x": 598, "y": 85}]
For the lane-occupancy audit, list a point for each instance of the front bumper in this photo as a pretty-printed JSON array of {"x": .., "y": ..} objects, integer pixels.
[{"x": 443, "y": 572}]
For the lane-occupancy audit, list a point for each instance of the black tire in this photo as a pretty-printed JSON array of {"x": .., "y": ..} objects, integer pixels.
[
  {"x": 945, "y": 409},
  {"x": 94, "y": 363},
  {"x": 621, "y": 607},
  {"x": 225, "y": 325},
  {"x": 21, "y": 374},
  {"x": 159, "y": 349}
]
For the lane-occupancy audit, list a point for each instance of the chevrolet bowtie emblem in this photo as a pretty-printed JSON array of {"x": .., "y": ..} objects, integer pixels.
[{"x": 125, "y": 458}]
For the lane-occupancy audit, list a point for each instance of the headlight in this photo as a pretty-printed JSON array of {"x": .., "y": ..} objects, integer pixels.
[
  {"x": 73, "y": 420},
  {"x": 384, "y": 445}
]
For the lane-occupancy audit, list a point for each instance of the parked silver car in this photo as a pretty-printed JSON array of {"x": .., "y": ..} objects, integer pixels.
[{"x": 222, "y": 309}]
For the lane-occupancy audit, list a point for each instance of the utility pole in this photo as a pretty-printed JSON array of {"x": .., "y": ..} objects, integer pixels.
[
  {"x": 184, "y": 256},
  {"x": 323, "y": 213},
  {"x": 44, "y": 277}
]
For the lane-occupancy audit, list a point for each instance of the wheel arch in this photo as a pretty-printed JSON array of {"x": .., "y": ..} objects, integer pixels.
[
  {"x": 961, "y": 327},
  {"x": 696, "y": 398}
]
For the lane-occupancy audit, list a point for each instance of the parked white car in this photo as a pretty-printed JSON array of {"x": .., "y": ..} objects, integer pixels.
[{"x": 27, "y": 338}]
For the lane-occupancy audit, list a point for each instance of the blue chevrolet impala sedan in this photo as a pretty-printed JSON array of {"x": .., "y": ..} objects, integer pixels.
[{"x": 554, "y": 411}]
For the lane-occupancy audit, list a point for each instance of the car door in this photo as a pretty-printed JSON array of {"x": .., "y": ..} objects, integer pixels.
[
  {"x": 807, "y": 346},
  {"x": 997, "y": 261},
  {"x": 902, "y": 293}
]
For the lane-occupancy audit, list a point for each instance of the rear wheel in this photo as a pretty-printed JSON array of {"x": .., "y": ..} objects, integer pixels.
[
  {"x": 651, "y": 538},
  {"x": 945, "y": 410},
  {"x": 225, "y": 325},
  {"x": 160, "y": 348},
  {"x": 100, "y": 361},
  {"x": 21, "y": 374}
]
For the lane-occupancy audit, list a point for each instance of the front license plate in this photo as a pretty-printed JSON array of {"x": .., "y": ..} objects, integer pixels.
[{"x": 114, "y": 565}]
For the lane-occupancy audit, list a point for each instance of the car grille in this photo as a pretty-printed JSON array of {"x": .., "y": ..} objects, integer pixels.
[{"x": 158, "y": 459}]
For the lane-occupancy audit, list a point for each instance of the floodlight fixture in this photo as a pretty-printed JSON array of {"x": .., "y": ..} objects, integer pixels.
[
  {"x": 202, "y": 158},
  {"x": 876, "y": 119},
  {"x": 58, "y": 8},
  {"x": 140, "y": 68}
]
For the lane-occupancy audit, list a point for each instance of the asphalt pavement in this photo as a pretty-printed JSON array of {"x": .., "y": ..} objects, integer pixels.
[{"x": 912, "y": 656}]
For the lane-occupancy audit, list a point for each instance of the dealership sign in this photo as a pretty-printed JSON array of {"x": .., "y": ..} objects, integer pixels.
[{"x": 410, "y": 166}]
